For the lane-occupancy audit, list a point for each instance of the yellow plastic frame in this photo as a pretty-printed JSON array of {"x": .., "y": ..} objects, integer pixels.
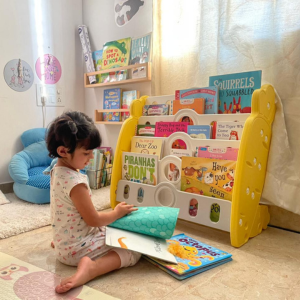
[{"x": 248, "y": 217}]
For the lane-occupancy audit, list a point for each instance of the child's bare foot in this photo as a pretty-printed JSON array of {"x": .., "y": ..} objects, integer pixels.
[
  {"x": 79, "y": 278},
  {"x": 52, "y": 244}
]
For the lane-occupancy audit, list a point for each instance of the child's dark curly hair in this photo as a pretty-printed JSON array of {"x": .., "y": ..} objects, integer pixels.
[{"x": 72, "y": 129}]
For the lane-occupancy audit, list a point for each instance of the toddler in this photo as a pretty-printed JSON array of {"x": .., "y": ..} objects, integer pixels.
[{"x": 78, "y": 229}]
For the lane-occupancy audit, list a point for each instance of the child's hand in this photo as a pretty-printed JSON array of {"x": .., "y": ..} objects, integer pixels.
[{"x": 123, "y": 209}]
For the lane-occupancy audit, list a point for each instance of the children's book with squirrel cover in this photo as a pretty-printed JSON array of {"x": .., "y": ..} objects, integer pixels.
[
  {"x": 235, "y": 91},
  {"x": 193, "y": 257},
  {"x": 139, "y": 167},
  {"x": 147, "y": 145},
  {"x": 211, "y": 173}
]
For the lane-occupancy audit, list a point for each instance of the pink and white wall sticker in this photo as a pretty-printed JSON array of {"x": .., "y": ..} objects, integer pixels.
[
  {"x": 18, "y": 75},
  {"x": 48, "y": 69}
]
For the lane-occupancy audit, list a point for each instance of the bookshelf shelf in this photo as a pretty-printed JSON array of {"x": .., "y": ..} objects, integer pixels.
[
  {"x": 99, "y": 116},
  {"x": 147, "y": 78}
]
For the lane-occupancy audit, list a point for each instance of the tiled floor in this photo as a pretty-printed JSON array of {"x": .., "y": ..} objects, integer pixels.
[{"x": 267, "y": 267}]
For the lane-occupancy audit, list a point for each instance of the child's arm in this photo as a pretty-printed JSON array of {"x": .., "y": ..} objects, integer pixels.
[{"x": 82, "y": 201}]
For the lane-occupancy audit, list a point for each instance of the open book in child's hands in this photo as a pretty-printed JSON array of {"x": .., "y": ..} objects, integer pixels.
[{"x": 145, "y": 231}]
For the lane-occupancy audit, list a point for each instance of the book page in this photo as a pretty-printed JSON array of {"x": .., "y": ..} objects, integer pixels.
[{"x": 144, "y": 244}]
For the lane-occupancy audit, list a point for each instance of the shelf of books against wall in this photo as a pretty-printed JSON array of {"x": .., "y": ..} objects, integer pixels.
[
  {"x": 203, "y": 150},
  {"x": 122, "y": 61},
  {"x": 118, "y": 74},
  {"x": 116, "y": 104}
]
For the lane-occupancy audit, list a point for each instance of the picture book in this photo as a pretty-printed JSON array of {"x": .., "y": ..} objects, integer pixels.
[
  {"x": 107, "y": 149},
  {"x": 181, "y": 152},
  {"x": 140, "y": 167},
  {"x": 116, "y": 54},
  {"x": 144, "y": 244},
  {"x": 145, "y": 231},
  {"x": 212, "y": 177},
  {"x": 112, "y": 100},
  {"x": 197, "y": 104},
  {"x": 172, "y": 172},
  {"x": 235, "y": 91},
  {"x": 157, "y": 221},
  {"x": 227, "y": 130},
  {"x": 138, "y": 72},
  {"x": 155, "y": 110},
  {"x": 210, "y": 94},
  {"x": 145, "y": 130},
  {"x": 128, "y": 97},
  {"x": 165, "y": 129},
  {"x": 199, "y": 131},
  {"x": 147, "y": 145},
  {"x": 97, "y": 59},
  {"x": 193, "y": 257},
  {"x": 226, "y": 153},
  {"x": 141, "y": 49},
  {"x": 113, "y": 76}
]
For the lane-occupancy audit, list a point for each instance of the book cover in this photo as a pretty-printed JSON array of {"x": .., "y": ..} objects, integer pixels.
[
  {"x": 116, "y": 54},
  {"x": 210, "y": 94},
  {"x": 97, "y": 59},
  {"x": 141, "y": 49},
  {"x": 145, "y": 231},
  {"x": 155, "y": 110},
  {"x": 193, "y": 257},
  {"x": 197, "y": 104},
  {"x": 113, "y": 76},
  {"x": 128, "y": 97},
  {"x": 228, "y": 130},
  {"x": 181, "y": 152},
  {"x": 157, "y": 221},
  {"x": 145, "y": 130},
  {"x": 235, "y": 91},
  {"x": 165, "y": 129},
  {"x": 226, "y": 153},
  {"x": 147, "y": 145},
  {"x": 112, "y": 100},
  {"x": 139, "y": 167},
  {"x": 199, "y": 131},
  {"x": 208, "y": 176}
]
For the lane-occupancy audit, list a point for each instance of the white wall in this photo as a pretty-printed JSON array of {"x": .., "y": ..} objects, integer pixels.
[
  {"x": 99, "y": 16},
  {"x": 19, "y": 39}
]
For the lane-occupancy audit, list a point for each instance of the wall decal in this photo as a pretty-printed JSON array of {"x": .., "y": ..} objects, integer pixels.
[
  {"x": 48, "y": 69},
  {"x": 18, "y": 75},
  {"x": 125, "y": 10}
]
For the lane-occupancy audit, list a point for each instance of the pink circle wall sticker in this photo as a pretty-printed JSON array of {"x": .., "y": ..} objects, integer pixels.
[{"x": 48, "y": 69}]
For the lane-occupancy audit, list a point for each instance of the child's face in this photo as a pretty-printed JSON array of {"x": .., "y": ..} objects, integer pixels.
[{"x": 80, "y": 158}]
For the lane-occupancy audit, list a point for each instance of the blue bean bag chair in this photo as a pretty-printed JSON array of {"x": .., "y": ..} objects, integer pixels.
[{"x": 26, "y": 168}]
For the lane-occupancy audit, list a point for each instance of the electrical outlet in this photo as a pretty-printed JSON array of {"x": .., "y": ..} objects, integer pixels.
[{"x": 47, "y": 95}]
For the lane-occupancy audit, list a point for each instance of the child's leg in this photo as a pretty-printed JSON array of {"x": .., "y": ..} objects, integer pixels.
[{"x": 88, "y": 269}]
